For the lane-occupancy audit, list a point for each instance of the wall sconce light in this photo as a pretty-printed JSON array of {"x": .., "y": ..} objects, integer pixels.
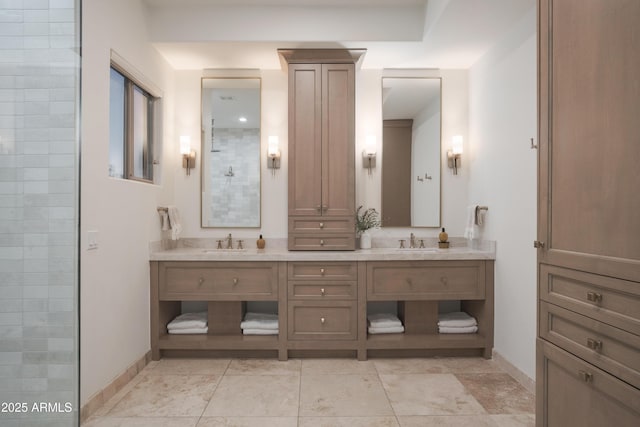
[
  {"x": 273, "y": 154},
  {"x": 454, "y": 155},
  {"x": 369, "y": 153},
  {"x": 188, "y": 155}
]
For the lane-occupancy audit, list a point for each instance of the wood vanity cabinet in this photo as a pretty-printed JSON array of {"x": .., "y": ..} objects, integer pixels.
[
  {"x": 588, "y": 346},
  {"x": 321, "y": 149}
]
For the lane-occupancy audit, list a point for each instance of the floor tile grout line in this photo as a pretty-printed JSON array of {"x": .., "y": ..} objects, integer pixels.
[{"x": 386, "y": 395}]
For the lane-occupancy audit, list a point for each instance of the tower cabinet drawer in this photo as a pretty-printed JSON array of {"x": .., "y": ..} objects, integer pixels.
[
  {"x": 323, "y": 271},
  {"x": 335, "y": 320},
  {"x": 218, "y": 280},
  {"x": 611, "y": 349},
  {"x": 419, "y": 280},
  {"x": 609, "y": 300},
  {"x": 321, "y": 241},
  {"x": 320, "y": 224}
]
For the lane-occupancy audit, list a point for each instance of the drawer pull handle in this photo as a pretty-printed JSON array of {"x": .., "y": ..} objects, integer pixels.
[
  {"x": 594, "y": 296},
  {"x": 322, "y": 271},
  {"x": 321, "y": 242},
  {"x": 587, "y": 377},
  {"x": 322, "y": 291},
  {"x": 201, "y": 281},
  {"x": 594, "y": 344},
  {"x": 444, "y": 280},
  {"x": 409, "y": 282},
  {"x": 235, "y": 280},
  {"x": 321, "y": 225},
  {"x": 322, "y": 320}
]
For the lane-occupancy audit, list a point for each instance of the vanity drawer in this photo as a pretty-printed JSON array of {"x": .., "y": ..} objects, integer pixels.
[
  {"x": 322, "y": 242},
  {"x": 231, "y": 281},
  {"x": 323, "y": 270},
  {"x": 320, "y": 224},
  {"x": 609, "y": 348},
  {"x": 612, "y": 301},
  {"x": 321, "y": 320},
  {"x": 323, "y": 291},
  {"x": 426, "y": 280}
]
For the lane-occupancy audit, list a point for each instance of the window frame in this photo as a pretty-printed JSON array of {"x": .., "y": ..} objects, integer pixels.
[{"x": 153, "y": 120}]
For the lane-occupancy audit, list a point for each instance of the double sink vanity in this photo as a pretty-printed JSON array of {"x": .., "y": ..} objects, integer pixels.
[
  {"x": 322, "y": 298},
  {"x": 321, "y": 286}
]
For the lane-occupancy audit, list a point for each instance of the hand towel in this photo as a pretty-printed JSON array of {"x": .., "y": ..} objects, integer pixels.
[
  {"x": 260, "y": 332},
  {"x": 189, "y": 321},
  {"x": 467, "y": 330},
  {"x": 189, "y": 331},
  {"x": 174, "y": 222},
  {"x": 389, "y": 330},
  {"x": 260, "y": 321},
  {"x": 471, "y": 229},
  {"x": 457, "y": 319},
  {"x": 164, "y": 220},
  {"x": 383, "y": 320}
]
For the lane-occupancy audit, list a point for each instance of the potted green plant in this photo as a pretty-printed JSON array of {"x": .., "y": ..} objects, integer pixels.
[{"x": 365, "y": 221}]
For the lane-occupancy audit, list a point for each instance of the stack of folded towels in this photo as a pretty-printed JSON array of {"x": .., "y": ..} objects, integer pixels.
[
  {"x": 189, "y": 323},
  {"x": 260, "y": 324},
  {"x": 384, "y": 323},
  {"x": 457, "y": 322}
]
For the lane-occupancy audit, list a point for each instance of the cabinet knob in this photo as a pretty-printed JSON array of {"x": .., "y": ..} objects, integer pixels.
[
  {"x": 444, "y": 280},
  {"x": 322, "y": 320},
  {"x": 594, "y": 297},
  {"x": 409, "y": 281},
  {"x": 321, "y": 242},
  {"x": 321, "y": 225},
  {"x": 587, "y": 377},
  {"x": 322, "y": 291},
  {"x": 201, "y": 281},
  {"x": 594, "y": 344},
  {"x": 322, "y": 271},
  {"x": 235, "y": 280}
]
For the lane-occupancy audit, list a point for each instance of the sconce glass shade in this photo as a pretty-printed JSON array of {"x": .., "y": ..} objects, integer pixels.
[
  {"x": 456, "y": 144},
  {"x": 273, "y": 153},
  {"x": 185, "y": 144},
  {"x": 370, "y": 145}
]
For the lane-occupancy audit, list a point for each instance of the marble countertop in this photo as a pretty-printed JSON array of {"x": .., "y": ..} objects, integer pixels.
[{"x": 484, "y": 250}]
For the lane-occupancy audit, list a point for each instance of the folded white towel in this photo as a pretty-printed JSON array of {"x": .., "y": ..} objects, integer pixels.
[
  {"x": 467, "y": 330},
  {"x": 471, "y": 229},
  {"x": 383, "y": 320},
  {"x": 457, "y": 319},
  {"x": 389, "y": 330},
  {"x": 189, "y": 331},
  {"x": 189, "y": 321},
  {"x": 260, "y": 331},
  {"x": 174, "y": 222},
  {"x": 260, "y": 321}
]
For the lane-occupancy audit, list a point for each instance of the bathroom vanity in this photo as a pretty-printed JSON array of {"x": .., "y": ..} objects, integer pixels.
[{"x": 322, "y": 300}]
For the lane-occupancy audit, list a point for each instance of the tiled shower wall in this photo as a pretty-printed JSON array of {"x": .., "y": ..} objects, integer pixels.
[
  {"x": 39, "y": 101},
  {"x": 235, "y": 179}
]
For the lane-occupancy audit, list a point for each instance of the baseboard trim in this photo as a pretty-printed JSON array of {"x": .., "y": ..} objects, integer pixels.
[
  {"x": 96, "y": 401},
  {"x": 517, "y": 374}
]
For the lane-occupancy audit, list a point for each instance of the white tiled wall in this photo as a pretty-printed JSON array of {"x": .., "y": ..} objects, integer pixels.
[{"x": 39, "y": 75}]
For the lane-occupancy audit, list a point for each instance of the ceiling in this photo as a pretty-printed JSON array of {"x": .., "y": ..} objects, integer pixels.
[{"x": 450, "y": 34}]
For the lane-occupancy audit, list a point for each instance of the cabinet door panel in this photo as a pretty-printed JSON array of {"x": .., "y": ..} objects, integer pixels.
[
  {"x": 305, "y": 127},
  {"x": 338, "y": 148}
]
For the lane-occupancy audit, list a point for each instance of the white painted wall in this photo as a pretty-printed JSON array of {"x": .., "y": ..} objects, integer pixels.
[
  {"x": 115, "y": 277},
  {"x": 502, "y": 112}
]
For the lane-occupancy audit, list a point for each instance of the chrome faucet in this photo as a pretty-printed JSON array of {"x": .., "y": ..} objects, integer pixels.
[
  {"x": 412, "y": 241},
  {"x": 229, "y": 242}
]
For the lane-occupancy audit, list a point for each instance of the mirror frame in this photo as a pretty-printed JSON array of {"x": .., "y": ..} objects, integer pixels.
[
  {"x": 411, "y": 75},
  {"x": 202, "y": 148}
]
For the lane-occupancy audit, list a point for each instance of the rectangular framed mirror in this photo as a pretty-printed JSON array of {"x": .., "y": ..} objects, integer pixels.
[
  {"x": 411, "y": 140},
  {"x": 230, "y": 179}
]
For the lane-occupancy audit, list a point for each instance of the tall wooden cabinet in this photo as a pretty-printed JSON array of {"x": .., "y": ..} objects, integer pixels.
[
  {"x": 588, "y": 347},
  {"x": 321, "y": 148}
]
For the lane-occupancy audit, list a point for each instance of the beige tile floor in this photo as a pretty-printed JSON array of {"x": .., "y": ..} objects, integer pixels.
[{"x": 319, "y": 393}]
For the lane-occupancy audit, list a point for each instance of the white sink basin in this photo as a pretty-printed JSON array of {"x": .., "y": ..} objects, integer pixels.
[
  {"x": 219, "y": 251},
  {"x": 418, "y": 249}
]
